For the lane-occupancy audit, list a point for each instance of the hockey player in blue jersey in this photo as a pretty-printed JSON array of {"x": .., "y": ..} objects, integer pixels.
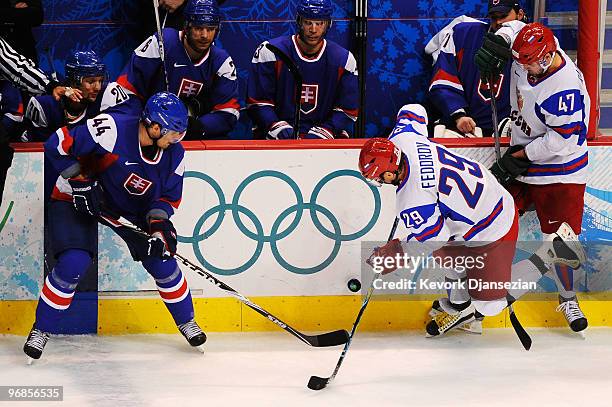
[
  {"x": 456, "y": 88},
  {"x": 198, "y": 72},
  {"x": 44, "y": 114},
  {"x": 329, "y": 94},
  {"x": 121, "y": 163}
]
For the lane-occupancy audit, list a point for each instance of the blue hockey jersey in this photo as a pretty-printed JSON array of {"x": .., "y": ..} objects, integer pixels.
[
  {"x": 11, "y": 107},
  {"x": 107, "y": 147},
  {"x": 44, "y": 115},
  {"x": 329, "y": 93},
  {"x": 456, "y": 85},
  {"x": 212, "y": 81}
]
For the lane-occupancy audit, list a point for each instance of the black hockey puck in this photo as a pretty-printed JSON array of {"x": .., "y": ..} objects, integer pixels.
[{"x": 354, "y": 285}]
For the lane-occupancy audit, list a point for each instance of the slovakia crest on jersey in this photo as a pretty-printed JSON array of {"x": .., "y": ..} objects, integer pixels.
[
  {"x": 310, "y": 96},
  {"x": 136, "y": 185},
  {"x": 483, "y": 88},
  {"x": 189, "y": 88}
]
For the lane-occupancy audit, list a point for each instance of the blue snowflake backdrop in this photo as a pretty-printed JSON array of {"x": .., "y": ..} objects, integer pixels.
[{"x": 398, "y": 72}]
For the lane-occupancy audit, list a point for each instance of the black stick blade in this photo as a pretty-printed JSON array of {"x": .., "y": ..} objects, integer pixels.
[
  {"x": 335, "y": 338},
  {"x": 520, "y": 331},
  {"x": 317, "y": 383}
]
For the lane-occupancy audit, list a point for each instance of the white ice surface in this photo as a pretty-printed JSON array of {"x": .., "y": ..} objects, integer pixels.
[{"x": 272, "y": 369}]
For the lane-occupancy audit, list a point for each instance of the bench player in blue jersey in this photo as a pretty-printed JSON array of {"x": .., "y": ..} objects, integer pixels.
[
  {"x": 453, "y": 207},
  {"x": 200, "y": 73},
  {"x": 127, "y": 163},
  {"x": 456, "y": 88},
  {"x": 329, "y": 94},
  {"x": 44, "y": 114}
]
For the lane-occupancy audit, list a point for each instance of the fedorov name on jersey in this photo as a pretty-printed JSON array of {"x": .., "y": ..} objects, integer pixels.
[{"x": 471, "y": 284}]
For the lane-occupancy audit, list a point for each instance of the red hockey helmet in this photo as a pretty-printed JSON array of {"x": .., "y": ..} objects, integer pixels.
[
  {"x": 532, "y": 43},
  {"x": 377, "y": 156}
]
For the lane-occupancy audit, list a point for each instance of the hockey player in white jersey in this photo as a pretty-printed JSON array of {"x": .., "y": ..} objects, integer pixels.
[
  {"x": 546, "y": 165},
  {"x": 457, "y": 206}
]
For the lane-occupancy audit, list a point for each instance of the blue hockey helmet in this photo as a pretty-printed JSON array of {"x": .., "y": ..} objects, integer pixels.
[
  {"x": 315, "y": 9},
  {"x": 167, "y": 110},
  {"x": 202, "y": 13},
  {"x": 83, "y": 64}
]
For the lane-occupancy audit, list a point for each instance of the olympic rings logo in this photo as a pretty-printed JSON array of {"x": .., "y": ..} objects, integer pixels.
[{"x": 275, "y": 235}]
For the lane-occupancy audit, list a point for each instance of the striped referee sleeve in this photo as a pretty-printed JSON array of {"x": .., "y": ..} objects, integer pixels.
[{"x": 21, "y": 70}]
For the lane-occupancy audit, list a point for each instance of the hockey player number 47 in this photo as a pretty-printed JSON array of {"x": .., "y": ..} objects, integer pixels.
[{"x": 563, "y": 106}]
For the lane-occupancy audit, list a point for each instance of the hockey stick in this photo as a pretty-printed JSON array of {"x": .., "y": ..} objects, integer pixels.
[
  {"x": 51, "y": 64},
  {"x": 516, "y": 324},
  {"x": 160, "y": 41},
  {"x": 494, "y": 117},
  {"x": 518, "y": 328},
  {"x": 334, "y": 338},
  {"x": 318, "y": 383},
  {"x": 297, "y": 78},
  {"x": 361, "y": 32}
]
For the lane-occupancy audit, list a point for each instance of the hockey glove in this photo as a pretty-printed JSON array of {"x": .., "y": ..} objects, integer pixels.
[
  {"x": 383, "y": 259},
  {"x": 195, "y": 129},
  {"x": 164, "y": 231},
  {"x": 86, "y": 195},
  {"x": 318, "y": 132},
  {"x": 508, "y": 167},
  {"x": 492, "y": 57},
  {"x": 280, "y": 131},
  {"x": 193, "y": 105}
]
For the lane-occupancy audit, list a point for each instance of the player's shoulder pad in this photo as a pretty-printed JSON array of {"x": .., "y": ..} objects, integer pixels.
[
  {"x": 263, "y": 54},
  {"x": 444, "y": 41},
  {"x": 149, "y": 48},
  {"x": 227, "y": 68},
  {"x": 35, "y": 111},
  {"x": 113, "y": 95},
  {"x": 178, "y": 159},
  {"x": 103, "y": 130},
  {"x": 350, "y": 64},
  {"x": 564, "y": 103}
]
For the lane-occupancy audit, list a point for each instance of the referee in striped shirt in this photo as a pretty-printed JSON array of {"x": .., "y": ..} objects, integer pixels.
[
  {"x": 28, "y": 77},
  {"x": 21, "y": 71}
]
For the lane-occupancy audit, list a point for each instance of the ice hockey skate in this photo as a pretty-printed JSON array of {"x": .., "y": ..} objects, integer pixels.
[
  {"x": 449, "y": 318},
  {"x": 562, "y": 247},
  {"x": 474, "y": 327},
  {"x": 35, "y": 344},
  {"x": 573, "y": 315},
  {"x": 194, "y": 334}
]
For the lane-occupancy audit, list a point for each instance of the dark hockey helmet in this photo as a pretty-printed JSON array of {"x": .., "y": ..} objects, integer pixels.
[
  {"x": 314, "y": 10},
  {"x": 532, "y": 43},
  {"x": 167, "y": 110},
  {"x": 201, "y": 13},
  {"x": 83, "y": 64},
  {"x": 377, "y": 156}
]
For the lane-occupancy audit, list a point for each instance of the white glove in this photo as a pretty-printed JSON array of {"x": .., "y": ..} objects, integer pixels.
[
  {"x": 280, "y": 131},
  {"x": 317, "y": 132}
]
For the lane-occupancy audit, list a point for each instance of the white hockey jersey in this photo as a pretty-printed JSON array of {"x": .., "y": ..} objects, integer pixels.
[
  {"x": 446, "y": 196},
  {"x": 550, "y": 117}
]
